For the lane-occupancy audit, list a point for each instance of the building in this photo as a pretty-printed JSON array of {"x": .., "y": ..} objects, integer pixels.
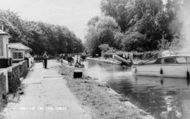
[
  {"x": 4, "y": 44},
  {"x": 18, "y": 51},
  {"x": 5, "y": 60}
]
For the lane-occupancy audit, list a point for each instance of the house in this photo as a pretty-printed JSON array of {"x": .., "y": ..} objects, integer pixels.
[
  {"x": 5, "y": 60},
  {"x": 19, "y": 51},
  {"x": 4, "y": 44}
]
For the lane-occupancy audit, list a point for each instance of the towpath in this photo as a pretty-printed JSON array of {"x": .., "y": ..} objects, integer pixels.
[{"x": 46, "y": 96}]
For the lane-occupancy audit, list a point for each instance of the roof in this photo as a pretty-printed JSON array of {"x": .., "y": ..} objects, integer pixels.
[
  {"x": 3, "y": 33},
  {"x": 19, "y": 46}
]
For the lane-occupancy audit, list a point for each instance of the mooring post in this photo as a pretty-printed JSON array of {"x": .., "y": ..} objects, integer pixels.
[
  {"x": 161, "y": 71},
  {"x": 188, "y": 75}
]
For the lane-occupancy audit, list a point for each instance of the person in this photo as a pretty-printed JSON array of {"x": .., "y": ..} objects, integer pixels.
[
  {"x": 45, "y": 57},
  {"x": 62, "y": 56}
]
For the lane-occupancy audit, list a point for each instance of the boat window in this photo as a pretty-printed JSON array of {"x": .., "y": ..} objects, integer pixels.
[
  {"x": 170, "y": 60},
  {"x": 181, "y": 60}
]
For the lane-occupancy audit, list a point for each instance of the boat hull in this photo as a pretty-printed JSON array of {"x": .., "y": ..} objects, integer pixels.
[{"x": 169, "y": 71}]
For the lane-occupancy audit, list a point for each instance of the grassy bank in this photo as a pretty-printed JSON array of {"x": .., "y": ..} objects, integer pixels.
[{"x": 100, "y": 99}]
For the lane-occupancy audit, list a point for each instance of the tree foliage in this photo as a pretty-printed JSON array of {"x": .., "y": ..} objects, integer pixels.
[
  {"x": 100, "y": 31},
  {"x": 40, "y": 36},
  {"x": 142, "y": 24}
]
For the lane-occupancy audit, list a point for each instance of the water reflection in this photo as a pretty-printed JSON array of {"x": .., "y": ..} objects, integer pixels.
[{"x": 163, "y": 98}]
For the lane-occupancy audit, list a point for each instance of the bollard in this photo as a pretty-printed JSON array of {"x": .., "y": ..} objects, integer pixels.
[
  {"x": 161, "y": 71},
  {"x": 188, "y": 76}
]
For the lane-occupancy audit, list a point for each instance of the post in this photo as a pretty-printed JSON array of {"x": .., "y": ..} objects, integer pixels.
[
  {"x": 161, "y": 69},
  {"x": 188, "y": 75}
]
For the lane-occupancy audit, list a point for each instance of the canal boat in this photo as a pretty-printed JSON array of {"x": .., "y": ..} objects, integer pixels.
[{"x": 174, "y": 66}]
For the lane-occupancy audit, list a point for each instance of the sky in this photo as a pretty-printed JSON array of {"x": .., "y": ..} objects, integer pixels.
[{"x": 73, "y": 14}]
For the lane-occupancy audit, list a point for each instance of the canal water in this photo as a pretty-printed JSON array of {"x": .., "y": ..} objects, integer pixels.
[{"x": 167, "y": 98}]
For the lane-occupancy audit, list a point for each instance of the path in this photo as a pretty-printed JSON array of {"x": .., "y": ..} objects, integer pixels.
[{"x": 46, "y": 97}]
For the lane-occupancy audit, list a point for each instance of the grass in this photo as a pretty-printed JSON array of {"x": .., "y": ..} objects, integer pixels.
[{"x": 97, "y": 97}]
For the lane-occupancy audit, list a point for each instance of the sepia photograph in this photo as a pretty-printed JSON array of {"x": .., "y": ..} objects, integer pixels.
[{"x": 94, "y": 59}]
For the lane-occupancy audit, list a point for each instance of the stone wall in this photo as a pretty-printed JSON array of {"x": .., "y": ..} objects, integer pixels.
[
  {"x": 24, "y": 69},
  {"x": 18, "y": 71},
  {"x": 2, "y": 85},
  {"x": 10, "y": 80},
  {"x": 3, "y": 92}
]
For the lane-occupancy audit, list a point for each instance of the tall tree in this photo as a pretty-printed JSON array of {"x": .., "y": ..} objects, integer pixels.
[
  {"x": 151, "y": 19},
  {"x": 100, "y": 31},
  {"x": 40, "y": 36}
]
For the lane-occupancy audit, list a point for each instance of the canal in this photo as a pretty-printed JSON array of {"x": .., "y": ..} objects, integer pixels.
[{"x": 163, "y": 98}]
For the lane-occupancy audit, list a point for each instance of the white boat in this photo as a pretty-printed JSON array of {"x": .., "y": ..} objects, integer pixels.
[{"x": 174, "y": 66}]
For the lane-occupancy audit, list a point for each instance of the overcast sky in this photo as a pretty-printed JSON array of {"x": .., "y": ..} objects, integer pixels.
[{"x": 73, "y": 14}]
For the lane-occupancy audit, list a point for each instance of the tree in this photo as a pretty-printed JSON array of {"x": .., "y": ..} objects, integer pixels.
[
  {"x": 151, "y": 19},
  {"x": 100, "y": 31},
  {"x": 104, "y": 47},
  {"x": 119, "y": 10},
  {"x": 40, "y": 36},
  {"x": 134, "y": 41}
]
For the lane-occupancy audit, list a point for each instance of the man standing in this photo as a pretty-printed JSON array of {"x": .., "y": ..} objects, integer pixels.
[{"x": 45, "y": 57}]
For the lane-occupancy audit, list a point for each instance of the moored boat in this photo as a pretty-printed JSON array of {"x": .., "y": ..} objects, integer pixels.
[{"x": 173, "y": 66}]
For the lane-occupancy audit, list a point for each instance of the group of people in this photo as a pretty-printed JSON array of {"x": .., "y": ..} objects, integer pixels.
[
  {"x": 72, "y": 59},
  {"x": 67, "y": 57}
]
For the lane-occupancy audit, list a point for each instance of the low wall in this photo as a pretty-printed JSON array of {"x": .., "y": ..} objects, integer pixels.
[
  {"x": 2, "y": 84},
  {"x": 10, "y": 79},
  {"x": 2, "y": 89},
  {"x": 24, "y": 69},
  {"x": 14, "y": 74}
]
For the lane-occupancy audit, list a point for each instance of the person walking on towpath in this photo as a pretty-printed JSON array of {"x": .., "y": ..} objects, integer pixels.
[{"x": 45, "y": 58}]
